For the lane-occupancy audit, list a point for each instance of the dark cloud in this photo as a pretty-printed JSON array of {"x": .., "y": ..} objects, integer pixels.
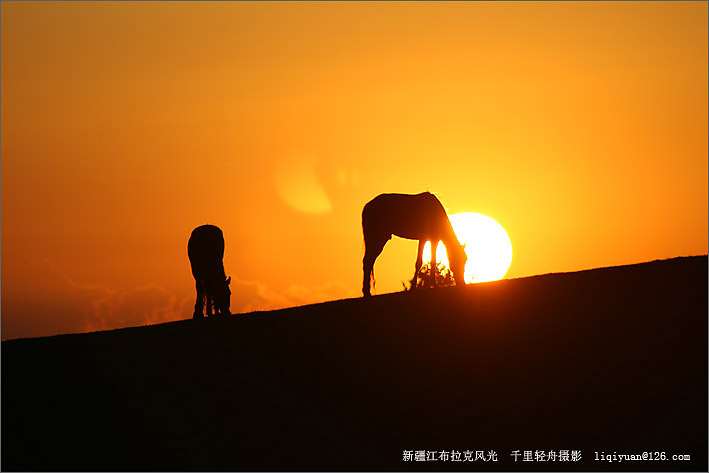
[
  {"x": 56, "y": 305},
  {"x": 248, "y": 296},
  {"x": 38, "y": 300},
  {"x": 139, "y": 306}
]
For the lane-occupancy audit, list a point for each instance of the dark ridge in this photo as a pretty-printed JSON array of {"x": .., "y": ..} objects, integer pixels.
[{"x": 607, "y": 360}]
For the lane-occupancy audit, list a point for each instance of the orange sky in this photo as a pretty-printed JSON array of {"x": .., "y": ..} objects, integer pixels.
[{"x": 580, "y": 127}]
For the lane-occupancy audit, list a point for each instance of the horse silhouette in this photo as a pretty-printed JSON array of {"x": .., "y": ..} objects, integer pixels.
[
  {"x": 416, "y": 217},
  {"x": 206, "y": 252}
]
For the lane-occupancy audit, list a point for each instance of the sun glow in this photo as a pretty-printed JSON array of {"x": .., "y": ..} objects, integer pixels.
[{"x": 487, "y": 245}]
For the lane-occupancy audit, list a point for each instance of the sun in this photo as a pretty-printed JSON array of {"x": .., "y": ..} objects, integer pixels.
[{"x": 487, "y": 245}]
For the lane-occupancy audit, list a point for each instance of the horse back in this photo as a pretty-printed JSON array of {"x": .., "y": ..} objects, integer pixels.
[{"x": 413, "y": 216}]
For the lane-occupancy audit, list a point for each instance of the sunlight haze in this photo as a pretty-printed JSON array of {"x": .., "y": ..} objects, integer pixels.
[{"x": 581, "y": 128}]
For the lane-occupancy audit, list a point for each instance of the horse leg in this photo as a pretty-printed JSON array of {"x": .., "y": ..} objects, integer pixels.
[
  {"x": 199, "y": 303},
  {"x": 434, "y": 266},
  {"x": 373, "y": 248},
  {"x": 417, "y": 266}
]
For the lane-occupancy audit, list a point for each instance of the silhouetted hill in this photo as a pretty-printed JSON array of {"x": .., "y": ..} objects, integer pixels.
[{"x": 608, "y": 360}]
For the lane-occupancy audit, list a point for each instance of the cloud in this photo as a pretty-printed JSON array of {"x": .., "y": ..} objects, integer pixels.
[
  {"x": 249, "y": 296},
  {"x": 301, "y": 295},
  {"x": 38, "y": 300},
  {"x": 138, "y": 306}
]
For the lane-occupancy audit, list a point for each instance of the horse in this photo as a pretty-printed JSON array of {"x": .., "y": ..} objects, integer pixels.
[
  {"x": 206, "y": 252},
  {"x": 415, "y": 217}
]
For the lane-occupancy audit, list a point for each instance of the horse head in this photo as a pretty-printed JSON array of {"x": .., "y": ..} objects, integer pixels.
[{"x": 458, "y": 258}]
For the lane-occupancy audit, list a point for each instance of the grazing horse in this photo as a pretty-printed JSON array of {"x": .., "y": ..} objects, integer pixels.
[
  {"x": 416, "y": 217},
  {"x": 206, "y": 252}
]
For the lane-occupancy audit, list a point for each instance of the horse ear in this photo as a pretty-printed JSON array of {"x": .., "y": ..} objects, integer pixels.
[{"x": 228, "y": 281}]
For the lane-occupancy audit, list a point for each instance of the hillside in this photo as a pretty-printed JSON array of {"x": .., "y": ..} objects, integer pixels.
[{"x": 607, "y": 360}]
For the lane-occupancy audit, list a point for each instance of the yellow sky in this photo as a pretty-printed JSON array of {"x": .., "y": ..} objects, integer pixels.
[{"x": 580, "y": 127}]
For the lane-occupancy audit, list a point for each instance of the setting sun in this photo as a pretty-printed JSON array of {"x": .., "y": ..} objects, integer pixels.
[{"x": 487, "y": 245}]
